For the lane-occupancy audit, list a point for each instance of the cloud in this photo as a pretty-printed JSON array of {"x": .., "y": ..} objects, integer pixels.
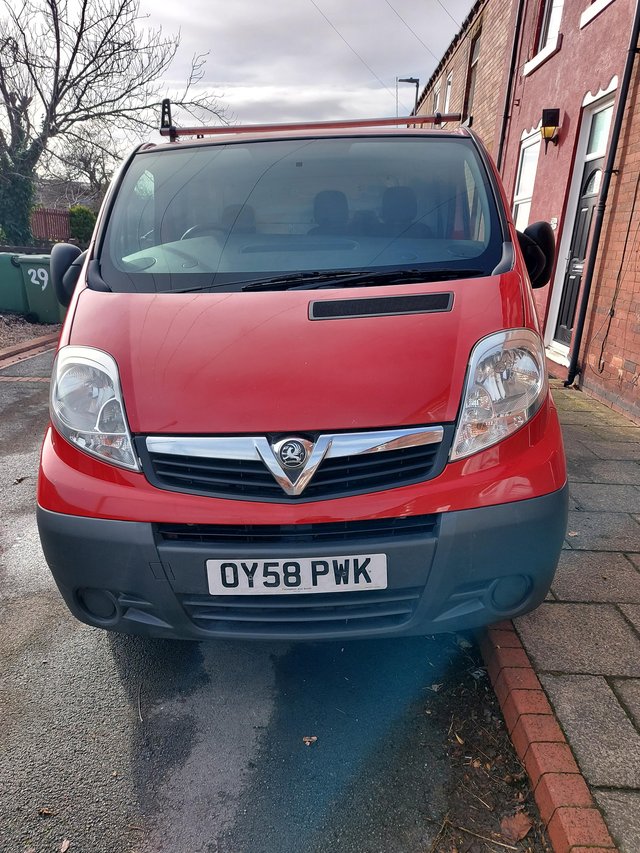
[{"x": 282, "y": 61}]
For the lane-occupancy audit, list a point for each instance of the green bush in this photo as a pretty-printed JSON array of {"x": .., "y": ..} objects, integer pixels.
[{"x": 81, "y": 222}]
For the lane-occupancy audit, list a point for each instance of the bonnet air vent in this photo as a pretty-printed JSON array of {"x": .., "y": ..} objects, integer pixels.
[{"x": 381, "y": 306}]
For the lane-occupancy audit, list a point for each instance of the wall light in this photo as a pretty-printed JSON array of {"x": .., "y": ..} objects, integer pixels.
[{"x": 550, "y": 127}]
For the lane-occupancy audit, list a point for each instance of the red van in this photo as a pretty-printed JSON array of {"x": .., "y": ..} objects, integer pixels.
[{"x": 300, "y": 391}]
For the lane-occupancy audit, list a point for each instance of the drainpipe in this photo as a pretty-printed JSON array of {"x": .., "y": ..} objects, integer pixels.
[
  {"x": 574, "y": 370},
  {"x": 506, "y": 115}
]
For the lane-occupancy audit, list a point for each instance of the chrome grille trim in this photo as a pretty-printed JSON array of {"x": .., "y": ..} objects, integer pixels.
[{"x": 337, "y": 464}]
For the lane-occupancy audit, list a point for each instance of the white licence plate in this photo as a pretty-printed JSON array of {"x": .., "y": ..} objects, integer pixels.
[{"x": 297, "y": 574}]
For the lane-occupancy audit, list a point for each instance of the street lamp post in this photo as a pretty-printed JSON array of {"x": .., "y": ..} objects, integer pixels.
[{"x": 416, "y": 83}]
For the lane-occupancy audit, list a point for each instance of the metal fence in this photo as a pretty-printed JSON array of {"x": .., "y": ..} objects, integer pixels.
[{"x": 50, "y": 224}]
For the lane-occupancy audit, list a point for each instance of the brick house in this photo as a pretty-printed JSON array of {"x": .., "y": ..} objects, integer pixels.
[
  {"x": 471, "y": 77},
  {"x": 568, "y": 55}
]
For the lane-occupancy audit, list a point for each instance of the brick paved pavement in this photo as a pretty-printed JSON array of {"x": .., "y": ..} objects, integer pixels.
[{"x": 584, "y": 641}]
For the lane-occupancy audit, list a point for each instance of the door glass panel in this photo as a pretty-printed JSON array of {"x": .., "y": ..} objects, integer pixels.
[
  {"x": 528, "y": 165},
  {"x": 521, "y": 215},
  {"x": 599, "y": 132},
  {"x": 593, "y": 185}
]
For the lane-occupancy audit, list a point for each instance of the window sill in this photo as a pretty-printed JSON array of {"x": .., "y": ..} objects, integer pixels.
[
  {"x": 541, "y": 57},
  {"x": 558, "y": 353},
  {"x": 593, "y": 11}
]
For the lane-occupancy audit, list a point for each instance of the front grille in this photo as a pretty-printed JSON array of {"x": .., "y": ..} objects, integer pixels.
[
  {"x": 335, "y": 477},
  {"x": 302, "y": 615},
  {"x": 381, "y": 529}
]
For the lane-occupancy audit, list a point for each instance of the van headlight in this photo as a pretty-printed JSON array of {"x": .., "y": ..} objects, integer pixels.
[
  {"x": 506, "y": 385},
  {"x": 87, "y": 407}
]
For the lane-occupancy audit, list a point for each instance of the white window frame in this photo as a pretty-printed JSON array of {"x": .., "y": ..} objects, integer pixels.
[
  {"x": 593, "y": 11},
  {"x": 436, "y": 95},
  {"x": 447, "y": 92},
  {"x": 550, "y": 36},
  {"x": 552, "y": 43},
  {"x": 526, "y": 142},
  {"x": 472, "y": 75}
]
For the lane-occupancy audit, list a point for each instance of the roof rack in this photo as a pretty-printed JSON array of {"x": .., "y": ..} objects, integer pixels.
[{"x": 167, "y": 128}]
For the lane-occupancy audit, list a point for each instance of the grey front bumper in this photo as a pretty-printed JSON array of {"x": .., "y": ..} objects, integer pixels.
[{"x": 478, "y": 566}]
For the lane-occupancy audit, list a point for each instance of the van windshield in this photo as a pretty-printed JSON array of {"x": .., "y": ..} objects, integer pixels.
[{"x": 224, "y": 215}]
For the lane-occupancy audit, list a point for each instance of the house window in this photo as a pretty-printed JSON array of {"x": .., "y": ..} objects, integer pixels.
[
  {"x": 599, "y": 133},
  {"x": 436, "y": 97},
  {"x": 527, "y": 165},
  {"x": 447, "y": 93},
  {"x": 474, "y": 55},
  {"x": 549, "y": 23}
]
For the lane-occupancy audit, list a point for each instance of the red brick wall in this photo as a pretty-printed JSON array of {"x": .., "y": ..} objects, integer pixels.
[{"x": 494, "y": 18}]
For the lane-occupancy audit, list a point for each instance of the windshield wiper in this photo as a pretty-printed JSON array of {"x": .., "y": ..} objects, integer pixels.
[
  {"x": 269, "y": 283},
  {"x": 302, "y": 279},
  {"x": 361, "y": 278},
  {"x": 315, "y": 280}
]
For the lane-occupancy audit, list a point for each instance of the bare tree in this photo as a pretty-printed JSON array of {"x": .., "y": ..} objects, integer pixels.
[
  {"x": 78, "y": 170},
  {"x": 69, "y": 69}
]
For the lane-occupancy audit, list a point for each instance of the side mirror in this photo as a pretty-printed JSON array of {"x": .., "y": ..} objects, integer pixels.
[
  {"x": 65, "y": 266},
  {"x": 538, "y": 246}
]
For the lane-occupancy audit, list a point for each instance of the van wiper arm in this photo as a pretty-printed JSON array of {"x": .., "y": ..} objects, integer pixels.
[
  {"x": 280, "y": 282},
  {"x": 315, "y": 281},
  {"x": 302, "y": 279},
  {"x": 337, "y": 278}
]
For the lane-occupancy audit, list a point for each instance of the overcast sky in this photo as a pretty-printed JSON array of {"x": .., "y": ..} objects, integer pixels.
[{"x": 283, "y": 60}]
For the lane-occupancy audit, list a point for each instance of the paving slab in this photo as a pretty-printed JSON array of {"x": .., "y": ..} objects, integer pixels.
[
  {"x": 596, "y": 576},
  {"x": 632, "y": 612},
  {"x": 574, "y": 504},
  {"x": 603, "y": 531},
  {"x": 628, "y": 692},
  {"x": 590, "y": 469},
  {"x": 598, "y": 497},
  {"x": 582, "y": 433},
  {"x": 586, "y": 416},
  {"x": 569, "y": 403},
  {"x": 566, "y": 400},
  {"x": 604, "y": 740},
  {"x": 616, "y": 432},
  {"x": 622, "y": 813},
  {"x": 616, "y": 449},
  {"x": 590, "y": 639}
]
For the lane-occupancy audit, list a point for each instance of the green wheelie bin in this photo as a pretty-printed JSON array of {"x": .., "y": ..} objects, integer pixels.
[
  {"x": 41, "y": 297},
  {"x": 13, "y": 298}
]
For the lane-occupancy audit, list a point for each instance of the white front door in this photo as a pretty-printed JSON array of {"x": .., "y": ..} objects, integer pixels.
[{"x": 592, "y": 146}]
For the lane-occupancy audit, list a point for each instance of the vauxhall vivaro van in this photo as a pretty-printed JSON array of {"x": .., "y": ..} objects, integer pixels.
[{"x": 300, "y": 391}]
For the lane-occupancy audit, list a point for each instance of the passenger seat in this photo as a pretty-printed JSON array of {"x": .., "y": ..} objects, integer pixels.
[{"x": 331, "y": 212}]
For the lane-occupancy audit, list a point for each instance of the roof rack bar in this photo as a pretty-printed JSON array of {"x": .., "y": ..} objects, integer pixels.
[
  {"x": 166, "y": 125},
  {"x": 166, "y": 129}
]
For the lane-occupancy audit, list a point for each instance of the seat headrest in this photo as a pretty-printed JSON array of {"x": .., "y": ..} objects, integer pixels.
[{"x": 330, "y": 208}]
